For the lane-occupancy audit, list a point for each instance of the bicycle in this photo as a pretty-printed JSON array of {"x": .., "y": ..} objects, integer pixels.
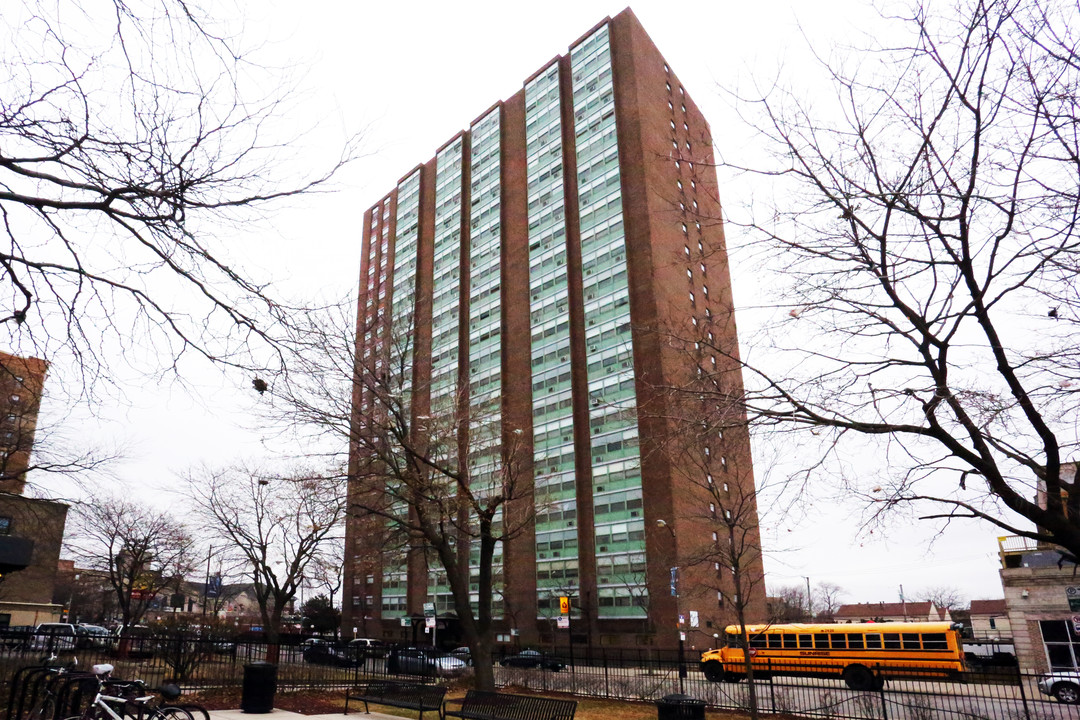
[
  {"x": 45, "y": 708},
  {"x": 169, "y": 693},
  {"x": 101, "y": 708}
]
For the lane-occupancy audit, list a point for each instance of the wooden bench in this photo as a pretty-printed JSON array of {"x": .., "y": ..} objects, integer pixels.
[
  {"x": 482, "y": 705},
  {"x": 410, "y": 696}
]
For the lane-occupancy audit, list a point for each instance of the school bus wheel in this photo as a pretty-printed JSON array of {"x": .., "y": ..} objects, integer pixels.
[
  {"x": 714, "y": 671},
  {"x": 858, "y": 677}
]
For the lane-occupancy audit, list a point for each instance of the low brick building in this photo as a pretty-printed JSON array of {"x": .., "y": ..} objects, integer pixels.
[
  {"x": 31, "y": 532},
  {"x": 990, "y": 619},
  {"x": 891, "y": 612}
]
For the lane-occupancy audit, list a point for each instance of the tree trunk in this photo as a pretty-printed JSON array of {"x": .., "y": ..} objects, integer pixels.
[{"x": 483, "y": 665}]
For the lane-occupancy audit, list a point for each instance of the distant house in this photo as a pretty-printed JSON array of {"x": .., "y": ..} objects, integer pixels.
[
  {"x": 891, "y": 612},
  {"x": 990, "y": 619}
]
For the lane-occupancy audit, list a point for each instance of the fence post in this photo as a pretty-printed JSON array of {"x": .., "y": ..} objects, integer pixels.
[
  {"x": 1023, "y": 693},
  {"x": 607, "y": 688},
  {"x": 772, "y": 685},
  {"x": 881, "y": 694}
]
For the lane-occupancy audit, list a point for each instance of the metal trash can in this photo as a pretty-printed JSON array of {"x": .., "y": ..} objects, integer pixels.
[
  {"x": 260, "y": 684},
  {"x": 680, "y": 707}
]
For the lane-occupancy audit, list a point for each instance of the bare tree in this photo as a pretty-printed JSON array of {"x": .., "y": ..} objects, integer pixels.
[
  {"x": 944, "y": 597},
  {"x": 827, "y": 597},
  {"x": 412, "y": 480},
  {"x": 138, "y": 551},
  {"x": 925, "y": 241},
  {"x": 725, "y": 538},
  {"x": 788, "y": 604},
  {"x": 273, "y": 528},
  {"x": 441, "y": 481},
  {"x": 131, "y": 128}
]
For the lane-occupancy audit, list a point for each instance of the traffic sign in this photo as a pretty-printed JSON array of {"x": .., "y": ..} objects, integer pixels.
[
  {"x": 1076, "y": 624},
  {"x": 429, "y": 610},
  {"x": 564, "y": 605},
  {"x": 430, "y": 622},
  {"x": 564, "y": 623}
]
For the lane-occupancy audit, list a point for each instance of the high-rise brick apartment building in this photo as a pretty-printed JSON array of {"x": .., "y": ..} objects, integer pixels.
[
  {"x": 31, "y": 529},
  {"x": 536, "y": 266}
]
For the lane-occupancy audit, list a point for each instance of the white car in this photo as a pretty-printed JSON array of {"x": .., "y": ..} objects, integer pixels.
[
  {"x": 1062, "y": 684},
  {"x": 53, "y": 637}
]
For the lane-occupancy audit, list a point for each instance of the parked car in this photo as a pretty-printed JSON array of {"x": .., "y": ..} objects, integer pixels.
[
  {"x": 463, "y": 654},
  {"x": 134, "y": 641},
  {"x": 423, "y": 661},
  {"x": 17, "y": 636},
  {"x": 53, "y": 637},
  {"x": 321, "y": 652},
  {"x": 1062, "y": 684},
  {"x": 533, "y": 659},
  {"x": 92, "y": 637},
  {"x": 361, "y": 648}
]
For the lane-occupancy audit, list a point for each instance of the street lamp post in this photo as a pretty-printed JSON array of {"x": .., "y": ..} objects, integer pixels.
[{"x": 675, "y": 594}]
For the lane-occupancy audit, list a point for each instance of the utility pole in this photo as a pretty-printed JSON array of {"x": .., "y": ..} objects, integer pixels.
[
  {"x": 678, "y": 609},
  {"x": 206, "y": 585},
  {"x": 809, "y": 602}
]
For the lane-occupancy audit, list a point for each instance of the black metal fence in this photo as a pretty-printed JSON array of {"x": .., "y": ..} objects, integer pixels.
[{"x": 611, "y": 673}]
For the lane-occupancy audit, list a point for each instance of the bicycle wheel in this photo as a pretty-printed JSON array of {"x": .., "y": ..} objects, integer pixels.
[
  {"x": 198, "y": 712},
  {"x": 170, "y": 712}
]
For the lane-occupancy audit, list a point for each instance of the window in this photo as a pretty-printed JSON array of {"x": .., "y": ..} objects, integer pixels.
[
  {"x": 935, "y": 641},
  {"x": 836, "y": 641},
  {"x": 16, "y": 398},
  {"x": 821, "y": 641},
  {"x": 691, "y": 298},
  {"x": 911, "y": 641},
  {"x": 689, "y": 274},
  {"x": 685, "y": 127},
  {"x": 892, "y": 641},
  {"x": 873, "y": 641},
  {"x": 5, "y": 525},
  {"x": 686, "y": 248},
  {"x": 855, "y": 641},
  {"x": 668, "y": 85},
  {"x": 672, "y": 124},
  {"x": 791, "y": 641}
]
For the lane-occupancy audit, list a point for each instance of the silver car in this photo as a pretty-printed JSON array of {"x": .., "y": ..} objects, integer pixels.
[
  {"x": 424, "y": 661},
  {"x": 1062, "y": 684}
]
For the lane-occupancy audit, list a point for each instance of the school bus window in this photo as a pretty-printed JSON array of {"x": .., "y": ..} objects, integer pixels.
[
  {"x": 775, "y": 641},
  {"x": 791, "y": 641},
  {"x": 911, "y": 641},
  {"x": 821, "y": 641},
  {"x": 732, "y": 641},
  {"x": 758, "y": 641},
  {"x": 838, "y": 642},
  {"x": 892, "y": 641},
  {"x": 855, "y": 641},
  {"x": 935, "y": 641},
  {"x": 805, "y": 641},
  {"x": 873, "y": 641}
]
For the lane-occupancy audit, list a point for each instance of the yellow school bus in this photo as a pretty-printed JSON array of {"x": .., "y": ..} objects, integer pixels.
[{"x": 863, "y": 654}]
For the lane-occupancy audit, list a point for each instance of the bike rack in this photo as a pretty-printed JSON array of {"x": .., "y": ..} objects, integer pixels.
[{"x": 31, "y": 684}]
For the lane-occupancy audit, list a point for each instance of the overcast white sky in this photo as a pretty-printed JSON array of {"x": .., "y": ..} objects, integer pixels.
[{"x": 413, "y": 74}]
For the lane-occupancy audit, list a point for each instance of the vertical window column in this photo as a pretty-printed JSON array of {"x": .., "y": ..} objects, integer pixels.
[
  {"x": 553, "y": 421},
  {"x": 485, "y": 331},
  {"x": 613, "y": 423}
]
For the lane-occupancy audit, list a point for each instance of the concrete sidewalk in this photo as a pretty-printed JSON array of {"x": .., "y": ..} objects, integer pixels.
[{"x": 289, "y": 715}]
